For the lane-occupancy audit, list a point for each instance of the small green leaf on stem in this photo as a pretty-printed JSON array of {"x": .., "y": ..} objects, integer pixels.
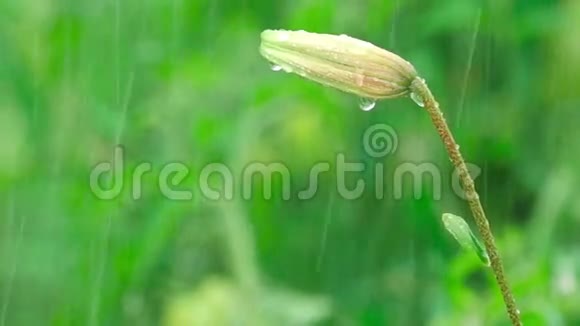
[{"x": 461, "y": 231}]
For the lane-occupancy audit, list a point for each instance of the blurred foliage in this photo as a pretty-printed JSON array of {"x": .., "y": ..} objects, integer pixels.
[{"x": 182, "y": 81}]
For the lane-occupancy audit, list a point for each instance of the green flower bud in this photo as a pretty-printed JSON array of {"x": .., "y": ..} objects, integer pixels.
[{"x": 339, "y": 61}]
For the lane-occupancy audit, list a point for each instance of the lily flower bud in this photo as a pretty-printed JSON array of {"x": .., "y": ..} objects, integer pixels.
[{"x": 339, "y": 61}]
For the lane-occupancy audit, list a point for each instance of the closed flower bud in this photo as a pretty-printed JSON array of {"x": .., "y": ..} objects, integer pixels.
[{"x": 339, "y": 61}]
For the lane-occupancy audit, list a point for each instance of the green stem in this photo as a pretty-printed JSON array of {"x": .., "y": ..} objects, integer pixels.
[{"x": 419, "y": 87}]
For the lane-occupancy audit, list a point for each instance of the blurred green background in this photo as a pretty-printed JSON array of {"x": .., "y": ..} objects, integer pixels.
[{"x": 182, "y": 81}]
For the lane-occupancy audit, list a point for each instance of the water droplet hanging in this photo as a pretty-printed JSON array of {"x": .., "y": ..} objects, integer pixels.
[
  {"x": 366, "y": 104},
  {"x": 417, "y": 99}
]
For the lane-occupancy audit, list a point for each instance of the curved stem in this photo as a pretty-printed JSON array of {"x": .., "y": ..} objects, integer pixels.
[{"x": 419, "y": 87}]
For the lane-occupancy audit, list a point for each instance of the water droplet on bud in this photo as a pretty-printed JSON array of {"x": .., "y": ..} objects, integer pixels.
[
  {"x": 275, "y": 67},
  {"x": 417, "y": 99},
  {"x": 366, "y": 104}
]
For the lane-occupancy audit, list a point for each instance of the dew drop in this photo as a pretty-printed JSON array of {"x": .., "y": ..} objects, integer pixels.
[
  {"x": 366, "y": 104},
  {"x": 275, "y": 67},
  {"x": 417, "y": 99}
]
